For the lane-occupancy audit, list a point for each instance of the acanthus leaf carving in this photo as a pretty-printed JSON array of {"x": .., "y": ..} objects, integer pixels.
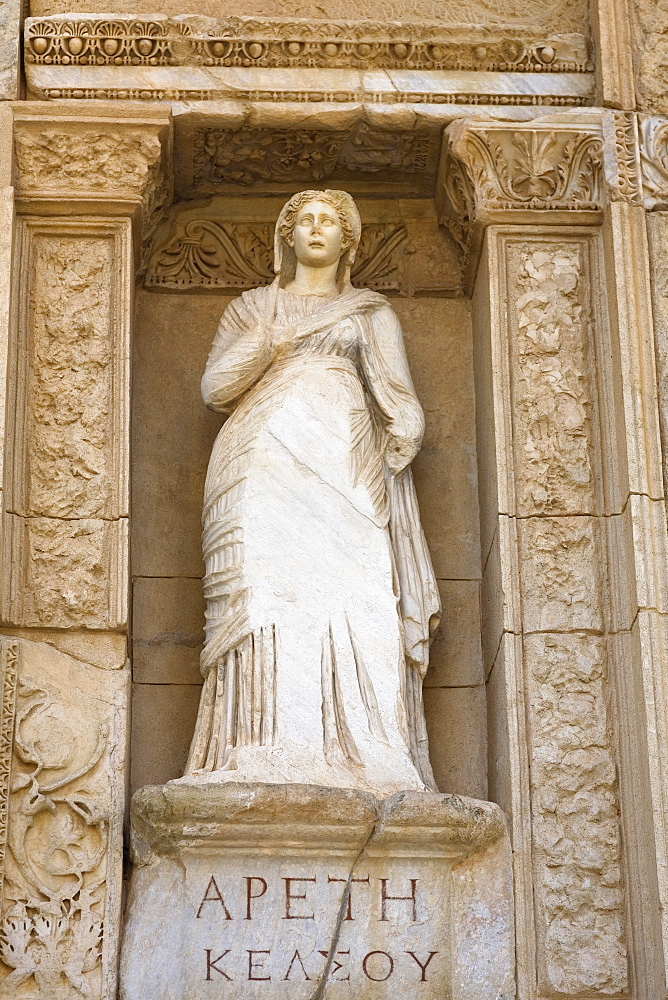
[{"x": 493, "y": 172}]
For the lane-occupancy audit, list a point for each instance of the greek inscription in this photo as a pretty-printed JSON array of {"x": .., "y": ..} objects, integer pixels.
[
  {"x": 250, "y": 895},
  {"x": 349, "y": 908},
  {"x": 216, "y": 898},
  {"x": 212, "y": 965},
  {"x": 291, "y": 897},
  {"x": 256, "y": 965},
  {"x": 423, "y": 965},
  {"x": 336, "y": 966},
  {"x": 297, "y": 958},
  {"x": 378, "y": 966},
  {"x": 385, "y": 898}
]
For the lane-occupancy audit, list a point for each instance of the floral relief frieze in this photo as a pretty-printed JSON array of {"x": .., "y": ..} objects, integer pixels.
[
  {"x": 551, "y": 384},
  {"x": 247, "y": 156},
  {"x": 576, "y": 844},
  {"x": 222, "y": 255},
  {"x": 62, "y": 794}
]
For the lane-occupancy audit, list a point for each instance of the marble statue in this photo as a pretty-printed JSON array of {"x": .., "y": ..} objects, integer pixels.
[{"x": 320, "y": 594}]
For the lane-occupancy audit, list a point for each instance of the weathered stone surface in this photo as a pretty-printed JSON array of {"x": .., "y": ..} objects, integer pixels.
[
  {"x": 10, "y": 50},
  {"x": 651, "y": 23},
  {"x": 63, "y": 791},
  {"x": 266, "y": 883},
  {"x": 577, "y": 852},
  {"x": 570, "y": 15}
]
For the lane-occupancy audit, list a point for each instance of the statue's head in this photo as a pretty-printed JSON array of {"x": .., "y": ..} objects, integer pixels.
[{"x": 317, "y": 228}]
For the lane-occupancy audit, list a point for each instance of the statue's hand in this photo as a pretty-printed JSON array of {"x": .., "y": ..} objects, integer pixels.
[{"x": 398, "y": 454}]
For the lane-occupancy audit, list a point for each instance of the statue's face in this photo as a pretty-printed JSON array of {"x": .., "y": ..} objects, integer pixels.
[{"x": 318, "y": 236}]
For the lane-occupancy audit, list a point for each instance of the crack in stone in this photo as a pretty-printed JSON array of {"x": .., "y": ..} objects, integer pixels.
[{"x": 319, "y": 992}]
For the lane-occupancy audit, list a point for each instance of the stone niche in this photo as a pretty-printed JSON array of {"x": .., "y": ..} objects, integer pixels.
[{"x": 213, "y": 243}]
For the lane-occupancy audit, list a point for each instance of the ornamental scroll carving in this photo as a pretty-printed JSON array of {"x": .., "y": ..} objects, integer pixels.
[
  {"x": 57, "y": 862},
  {"x": 622, "y": 159},
  {"x": 249, "y": 42},
  {"x": 225, "y": 255}
]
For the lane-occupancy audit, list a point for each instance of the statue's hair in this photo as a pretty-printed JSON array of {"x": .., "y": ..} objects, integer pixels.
[{"x": 340, "y": 202}]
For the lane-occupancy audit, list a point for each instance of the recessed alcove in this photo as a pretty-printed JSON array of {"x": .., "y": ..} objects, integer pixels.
[{"x": 207, "y": 250}]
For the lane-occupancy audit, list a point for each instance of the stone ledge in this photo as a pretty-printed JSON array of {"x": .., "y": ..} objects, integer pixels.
[{"x": 187, "y": 815}]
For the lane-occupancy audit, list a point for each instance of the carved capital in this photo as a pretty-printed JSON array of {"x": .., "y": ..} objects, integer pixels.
[
  {"x": 653, "y": 134},
  {"x": 114, "y": 161},
  {"x": 543, "y": 172}
]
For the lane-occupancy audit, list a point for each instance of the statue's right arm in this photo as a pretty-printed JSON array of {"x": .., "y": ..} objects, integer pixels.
[{"x": 240, "y": 355}]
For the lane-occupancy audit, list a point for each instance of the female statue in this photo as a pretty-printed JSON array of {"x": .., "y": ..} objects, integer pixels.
[{"x": 321, "y": 598}]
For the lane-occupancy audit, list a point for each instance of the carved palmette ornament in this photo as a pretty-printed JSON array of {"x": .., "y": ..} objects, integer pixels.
[
  {"x": 225, "y": 255},
  {"x": 239, "y": 41}
]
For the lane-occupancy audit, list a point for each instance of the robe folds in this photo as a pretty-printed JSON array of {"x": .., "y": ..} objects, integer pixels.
[{"x": 320, "y": 594}]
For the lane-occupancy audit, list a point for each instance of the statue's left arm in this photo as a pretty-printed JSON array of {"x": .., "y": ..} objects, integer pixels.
[{"x": 388, "y": 379}]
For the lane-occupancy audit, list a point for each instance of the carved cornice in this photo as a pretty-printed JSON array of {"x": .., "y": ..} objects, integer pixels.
[
  {"x": 492, "y": 172},
  {"x": 104, "y": 158},
  {"x": 250, "y": 42}
]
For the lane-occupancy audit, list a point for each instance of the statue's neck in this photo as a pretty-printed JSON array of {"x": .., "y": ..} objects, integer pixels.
[{"x": 314, "y": 280}]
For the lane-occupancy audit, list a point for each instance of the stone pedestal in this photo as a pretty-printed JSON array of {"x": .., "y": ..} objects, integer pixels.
[{"x": 305, "y": 892}]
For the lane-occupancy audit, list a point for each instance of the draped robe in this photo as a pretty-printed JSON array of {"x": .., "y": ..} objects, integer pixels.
[{"x": 320, "y": 592}]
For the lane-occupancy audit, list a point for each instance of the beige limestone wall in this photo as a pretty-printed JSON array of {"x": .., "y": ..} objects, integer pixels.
[
  {"x": 557, "y": 15},
  {"x": 651, "y": 55},
  {"x": 171, "y": 441}
]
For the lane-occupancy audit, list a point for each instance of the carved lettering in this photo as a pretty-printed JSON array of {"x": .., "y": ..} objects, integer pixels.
[
  {"x": 337, "y": 966},
  {"x": 217, "y": 897},
  {"x": 349, "y": 907},
  {"x": 250, "y": 895},
  {"x": 423, "y": 965},
  {"x": 385, "y": 898},
  {"x": 212, "y": 964},
  {"x": 296, "y": 958},
  {"x": 389, "y": 966},
  {"x": 290, "y": 897},
  {"x": 255, "y": 965}
]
